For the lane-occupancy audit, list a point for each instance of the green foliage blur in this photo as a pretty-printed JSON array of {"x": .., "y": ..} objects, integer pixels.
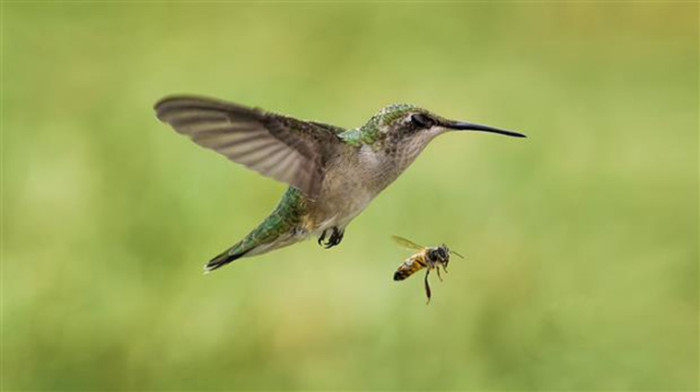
[{"x": 581, "y": 240}]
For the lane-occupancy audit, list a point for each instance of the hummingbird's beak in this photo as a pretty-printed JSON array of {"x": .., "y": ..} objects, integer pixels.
[{"x": 465, "y": 126}]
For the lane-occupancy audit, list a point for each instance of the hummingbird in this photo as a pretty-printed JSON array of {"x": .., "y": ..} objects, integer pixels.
[{"x": 333, "y": 173}]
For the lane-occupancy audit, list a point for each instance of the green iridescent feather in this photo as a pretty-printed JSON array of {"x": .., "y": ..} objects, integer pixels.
[
  {"x": 369, "y": 133},
  {"x": 283, "y": 219}
]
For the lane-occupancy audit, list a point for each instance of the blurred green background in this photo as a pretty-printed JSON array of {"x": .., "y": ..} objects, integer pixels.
[{"x": 581, "y": 241}]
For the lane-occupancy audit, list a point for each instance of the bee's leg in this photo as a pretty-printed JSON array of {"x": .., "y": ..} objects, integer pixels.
[
  {"x": 437, "y": 268},
  {"x": 427, "y": 286}
]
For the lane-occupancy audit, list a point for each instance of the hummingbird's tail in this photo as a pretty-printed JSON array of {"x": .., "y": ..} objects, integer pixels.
[
  {"x": 277, "y": 230},
  {"x": 224, "y": 258}
]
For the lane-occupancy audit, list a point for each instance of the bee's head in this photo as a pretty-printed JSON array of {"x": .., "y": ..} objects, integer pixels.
[{"x": 442, "y": 254}]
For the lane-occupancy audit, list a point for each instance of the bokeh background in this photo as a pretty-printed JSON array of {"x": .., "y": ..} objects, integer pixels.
[{"x": 581, "y": 241}]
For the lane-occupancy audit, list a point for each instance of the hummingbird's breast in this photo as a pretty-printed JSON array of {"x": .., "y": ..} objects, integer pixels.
[{"x": 354, "y": 176}]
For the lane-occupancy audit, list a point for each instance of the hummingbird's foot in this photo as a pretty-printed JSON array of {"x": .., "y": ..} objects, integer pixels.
[
  {"x": 336, "y": 237},
  {"x": 333, "y": 240}
]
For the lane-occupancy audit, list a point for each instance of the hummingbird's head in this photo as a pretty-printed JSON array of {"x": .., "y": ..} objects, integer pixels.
[
  {"x": 401, "y": 122},
  {"x": 411, "y": 128}
]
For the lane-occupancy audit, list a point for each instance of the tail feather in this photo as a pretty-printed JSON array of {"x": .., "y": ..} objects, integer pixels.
[
  {"x": 274, "y": 232},
  {"x": 224, "y": 258}
]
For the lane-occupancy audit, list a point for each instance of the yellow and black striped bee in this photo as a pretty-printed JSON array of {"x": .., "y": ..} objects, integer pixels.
[{"x": 426, "y": 257}]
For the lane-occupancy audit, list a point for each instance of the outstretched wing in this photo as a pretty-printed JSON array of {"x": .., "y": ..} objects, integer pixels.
[
  {"x": 276, "y": 146},
  {"x": 406, "y": 243}
]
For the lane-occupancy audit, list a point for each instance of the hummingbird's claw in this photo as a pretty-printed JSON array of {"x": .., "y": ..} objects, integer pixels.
[{"x": 335, "y": 238}]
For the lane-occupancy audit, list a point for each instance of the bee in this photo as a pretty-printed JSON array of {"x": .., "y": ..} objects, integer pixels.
[{"x": 431, "y": 258}]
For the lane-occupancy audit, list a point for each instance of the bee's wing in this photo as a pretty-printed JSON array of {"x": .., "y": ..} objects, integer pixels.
[{"x": 406, "y": 243}]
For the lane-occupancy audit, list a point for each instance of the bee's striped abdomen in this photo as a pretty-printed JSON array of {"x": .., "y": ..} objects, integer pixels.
[{"x": 409, "y": 267}]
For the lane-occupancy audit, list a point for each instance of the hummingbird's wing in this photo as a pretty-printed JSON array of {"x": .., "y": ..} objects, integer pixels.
[
  {"x": 280, "y": 147},
  {"x": 407, "y": 243}
]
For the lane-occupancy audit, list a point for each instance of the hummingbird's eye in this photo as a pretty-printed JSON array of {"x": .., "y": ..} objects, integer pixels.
[{"x": 422, "y": 121}]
